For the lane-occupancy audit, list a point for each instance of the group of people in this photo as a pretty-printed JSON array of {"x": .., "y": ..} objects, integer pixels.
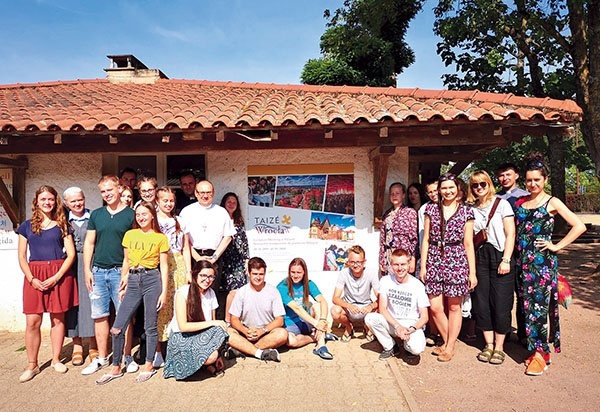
[
  {"x": 470, "y": 242},
  {"x": 190, "y": 282}
]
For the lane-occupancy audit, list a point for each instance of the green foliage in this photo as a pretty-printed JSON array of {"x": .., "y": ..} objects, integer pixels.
[{"x": 364, "y": 43}]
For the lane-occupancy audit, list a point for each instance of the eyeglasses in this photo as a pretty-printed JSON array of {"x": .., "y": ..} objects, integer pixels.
[
  {"x": 204, "y": 193},
  {"x": 356, "y": 262},
  {"x": 147, "y": 191},
  {"x": 206, "y": 277},
  {"x": 475, "y": 185}
]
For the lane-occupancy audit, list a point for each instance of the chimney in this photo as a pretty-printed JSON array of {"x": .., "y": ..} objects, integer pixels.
[{"x": 126, "y": 68}]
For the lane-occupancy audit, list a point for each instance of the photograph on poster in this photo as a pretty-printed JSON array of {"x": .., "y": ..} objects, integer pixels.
[
  {"x": 301, "y": 192},
  {"x": 328, "y": 226},
  {"x": 261, "y": 190},
  {"x": 335, "y": 257},
  {"x": 339, "y": 195}
]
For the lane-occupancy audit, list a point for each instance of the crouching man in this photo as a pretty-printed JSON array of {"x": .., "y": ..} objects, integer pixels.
[{"x": 403, "y": 307}]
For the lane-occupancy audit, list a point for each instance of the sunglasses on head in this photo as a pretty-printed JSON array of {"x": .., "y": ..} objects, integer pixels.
[
  {"x": 448, "y": 176},
  {"x": 475, "y": 185},
  {"x": 535, "y": 164}
]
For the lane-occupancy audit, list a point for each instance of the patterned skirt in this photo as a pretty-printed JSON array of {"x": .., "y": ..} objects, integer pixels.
[
  {"x": 187, "y": 352},
  {"x": 175, "y": 281}
]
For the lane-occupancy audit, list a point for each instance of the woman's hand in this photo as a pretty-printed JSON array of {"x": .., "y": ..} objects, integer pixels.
[
  {"x": 503, "y": 268},
  {"x": 423, "y": 275},
  {"x": 472, "y": 282},
  {"x": 161, "y": 301},
  {"x": 321, "y": 325},
  {"x": 543, "y": 244},
  {"x": 221, "y": 324},
  {"x": 50, "y": 282},
  {"x": 38, "y": 284}
]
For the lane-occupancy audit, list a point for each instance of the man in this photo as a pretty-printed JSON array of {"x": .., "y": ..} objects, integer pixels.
[
  {"x": 507, "y": 176},
  {"x": 352, "y": 296},
  {"x": 257, "y": 317},
  {"x": 403, "y": 307},
  {"x": 128, "y": 177},
  {"x": 431, "y": 189},
  {"x": 78, "y": 319},
  {"x": 102, "y": 260},
  {"x": 187, "y": 195}
]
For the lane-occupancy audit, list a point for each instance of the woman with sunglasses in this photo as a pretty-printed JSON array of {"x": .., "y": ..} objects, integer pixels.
[
  {"x": 493, "y": 297},
  {"x": 538, "y": 262},
  {"x": 448, "y": 261}
]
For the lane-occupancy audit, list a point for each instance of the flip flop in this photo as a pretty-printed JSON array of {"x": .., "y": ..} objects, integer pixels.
[
  {"x": 330, "y": 336},
  {"x": 107, "y": 377},
  {"x": 347, "y": 336},
  {"x": 323, "y": 353},
  {"x": 369, "y": 336},
  {"x": 144, "y": 376}
]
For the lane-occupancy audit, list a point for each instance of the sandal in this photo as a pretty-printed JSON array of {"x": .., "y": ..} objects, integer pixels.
[
  {"x": 369, "y": 336},
  {"x": 323, "y": 353},
  {"x": 497, "y": 358},
  {"x": 437, "y": 351},
  {"x": 145, "y": 375},
  {"x": 445, "y": 356},
  {"x": 107, "y": 377},
  {"x": 347, "y": 336},
  {"x": 77, "y": 358},
  {"x": 216, "y": 369},
  {"x": 93, "y": 354},
  {"x": 330, "y": 336},
  {"x": 485, "y": 355}
]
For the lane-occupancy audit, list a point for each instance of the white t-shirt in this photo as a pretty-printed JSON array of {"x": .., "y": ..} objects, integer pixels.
[
  {"x": 207, "y": 226},
  {"x": 404, "y": 299},
  {"x": 357, "y": 290},
  {"x": 209, "y": 303},
  {"x": 257, "y": 309},
  {"x": 495, "y": 230}
]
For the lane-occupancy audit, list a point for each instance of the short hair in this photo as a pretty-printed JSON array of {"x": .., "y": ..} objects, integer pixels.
[
  {"x": 506, "y": 166},
  {"x": 108, "y": 178},
  {"x": 256, "y": 263},
  {"x": 400, "y": 252},
  {"x": 127, "y": 170},
  {"x": 72, "y": 191},
  {"x": 357, "y": 249},
  {"x": 402, "y": 185},
  {"x": 187, "y": 173},
  {"x": 205, "y": 181}
]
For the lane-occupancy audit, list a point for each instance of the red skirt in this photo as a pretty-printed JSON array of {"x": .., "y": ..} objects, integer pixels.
[{"x": 58, "y": 299}]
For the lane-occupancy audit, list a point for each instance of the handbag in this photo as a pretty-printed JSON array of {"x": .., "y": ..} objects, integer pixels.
[
  {"x": 481, "y": 237},
  {"x": 564, "y": 291}
]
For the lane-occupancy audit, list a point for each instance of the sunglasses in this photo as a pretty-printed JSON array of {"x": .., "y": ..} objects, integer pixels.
[
  {"x": 448, "y": 176},
  {"x": 475, "y": 185},
  {"x": 535, "y": 164}
]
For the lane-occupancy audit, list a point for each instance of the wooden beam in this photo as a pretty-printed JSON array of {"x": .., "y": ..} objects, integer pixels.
[
  {"x": 20, "y": 163},
  {"x": 10, "y": 207},
  {"x": 459, "y": 167},
  {"x": 380, "y": 156}
]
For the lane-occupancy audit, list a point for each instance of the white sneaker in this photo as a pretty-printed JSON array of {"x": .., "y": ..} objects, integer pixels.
[
  {"x": 130, "y": 365},
  {"x": 94, "y": 366},
  {"x": 158, "y": 362}
]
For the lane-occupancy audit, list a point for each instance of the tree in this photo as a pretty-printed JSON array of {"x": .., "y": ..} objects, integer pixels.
[
  {"x": 364, "y": 44},
  {"x": 527, "y": 47}
]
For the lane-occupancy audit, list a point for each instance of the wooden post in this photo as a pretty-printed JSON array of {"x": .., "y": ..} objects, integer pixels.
[{"x": 380, "y": 156}]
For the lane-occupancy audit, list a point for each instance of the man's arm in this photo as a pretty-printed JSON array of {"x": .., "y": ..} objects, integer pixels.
[{"x": 88, "y": 254}]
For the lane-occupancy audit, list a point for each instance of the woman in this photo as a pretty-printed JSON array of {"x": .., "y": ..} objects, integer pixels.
[
  {"x": 538, "y": 262},
  {"x": 235, "y": 257},
  {"x": 179, "y": 260},
  {"x": 302, "y": 319},
  {"x": 49, "y": 285},
  {"x": 126, "y": 196},
  {"x": 196, "y": 336},
  {"x": 448, "y": 261},
  {"x": 493, "y": 297},
  {"x": 147, "y": 188},
  {"x": 398, "y": 230},
  {"x": 143, "y": 278},
  {"x": 415, "y": 196}
]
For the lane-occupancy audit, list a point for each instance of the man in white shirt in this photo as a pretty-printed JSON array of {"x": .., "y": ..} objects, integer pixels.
[{"x": 403, "y": 307}]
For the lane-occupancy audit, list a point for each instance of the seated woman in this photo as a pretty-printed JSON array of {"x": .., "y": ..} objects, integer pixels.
[
  {"x": 304, "y": 327},
  {"x": 196, "y": 336}
]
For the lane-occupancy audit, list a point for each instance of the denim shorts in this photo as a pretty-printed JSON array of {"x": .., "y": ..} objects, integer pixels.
[
  {"x": 301, "y": 327},
  {"x": 104, "y": 289}
]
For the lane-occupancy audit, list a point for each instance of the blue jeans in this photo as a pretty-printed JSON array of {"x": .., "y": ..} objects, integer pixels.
[
  {"x": 146, "y": 286},
  {"x": 104, "y": 289}
]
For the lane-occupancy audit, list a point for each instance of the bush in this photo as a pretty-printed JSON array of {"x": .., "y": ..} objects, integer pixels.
[{"x": 589, "y": 203}]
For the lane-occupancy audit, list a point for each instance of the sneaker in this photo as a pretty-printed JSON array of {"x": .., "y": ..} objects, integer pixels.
[
  {"x": 386, "y": 354},
  {"x": 546, "y": 357},
  {"x": 158, "y": 361},
  {"x": 29, "y": 374},
  {"x": 270, "y": 355},
  {"x": 231, "y": 353},
  {"x": 95, "y": 366},
  {"x": 537, "y": 366},
  {"x": 131, "y": 366}
]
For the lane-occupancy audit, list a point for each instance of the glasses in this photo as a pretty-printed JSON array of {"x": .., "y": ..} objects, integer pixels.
[
  {"x": 147, "y": 191},
  {"x": 476, "y": 185},
  {"x": 206, "y": 277},
  {"x": 356, "y": 262},
  {"x": 204, "y": 193},
  {"x": 447, "y": 176},
  {"x": 535, "y": 164}
]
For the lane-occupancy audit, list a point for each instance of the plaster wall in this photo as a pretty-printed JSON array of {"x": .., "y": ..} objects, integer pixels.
[{"x": 228, "y": 172}]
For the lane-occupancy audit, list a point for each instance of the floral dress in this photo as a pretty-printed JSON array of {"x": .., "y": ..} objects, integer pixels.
[
  {"x": 447, "y": 264},
  {"x": 539, "y": 277},
  {"x": 398, "y": 230},
  {"x": 234, "y": 260}
]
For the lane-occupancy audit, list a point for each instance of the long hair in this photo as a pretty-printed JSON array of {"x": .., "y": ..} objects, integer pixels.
[
  {"x": 123, "y": 189},
  {"x": 290, "y": 283},
  {"x": 443, "y": 178},
  {"x": 422, "y": 196},
  {"x": 152, "y": 210},
  {"x": 238, "y": 219},
  {"x": 478, "y": 177},
  {"x": 57, "y": 214},
  {"x": 168, "y": 190},
  {"x": 193, "y": 305}
]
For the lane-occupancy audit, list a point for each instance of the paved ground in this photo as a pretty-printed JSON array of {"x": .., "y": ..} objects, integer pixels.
[{"x": 355, "y": 380}]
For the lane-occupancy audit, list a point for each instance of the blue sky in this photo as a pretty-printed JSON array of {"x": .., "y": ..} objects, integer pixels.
[{"x": 265, "y": 41}]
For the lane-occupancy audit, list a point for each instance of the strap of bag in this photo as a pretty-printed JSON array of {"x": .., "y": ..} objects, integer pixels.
[{"x": 494, "y": 207}]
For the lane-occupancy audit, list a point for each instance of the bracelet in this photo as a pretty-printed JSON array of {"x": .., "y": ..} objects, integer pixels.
[
  {"x": 31, "y": 281},
  {"x": 322, "y": 318},
  {"x": 506, "y": 260}
]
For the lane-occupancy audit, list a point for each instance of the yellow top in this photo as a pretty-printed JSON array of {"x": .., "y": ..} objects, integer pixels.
[{"x": 144, "y": 249}]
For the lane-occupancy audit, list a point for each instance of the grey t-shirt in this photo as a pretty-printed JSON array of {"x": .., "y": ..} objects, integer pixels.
[
  {"x": 357, "y": 290},
  {"x": 257, "y": 309}
]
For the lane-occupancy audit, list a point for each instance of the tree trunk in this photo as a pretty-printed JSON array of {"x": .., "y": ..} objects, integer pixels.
[{"x": 556, "y": 160}]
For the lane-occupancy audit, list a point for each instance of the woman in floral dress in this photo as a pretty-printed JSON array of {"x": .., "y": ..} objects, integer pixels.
[
  {"x": 398, "y": 230},
  {"x": 448, "y": 261},
  {"x": 538, "y": 262},
  {"x": 236, "y": 255}
]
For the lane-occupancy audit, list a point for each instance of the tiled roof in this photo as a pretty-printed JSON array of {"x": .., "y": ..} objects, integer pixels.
[{"x": 98, "y": 105}]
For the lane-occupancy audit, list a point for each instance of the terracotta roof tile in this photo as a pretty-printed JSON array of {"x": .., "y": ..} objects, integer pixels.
[{"x": 98, "y": 105}]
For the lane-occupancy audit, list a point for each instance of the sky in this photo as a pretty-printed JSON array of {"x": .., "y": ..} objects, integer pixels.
[{"x": 265, "y": 41}]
